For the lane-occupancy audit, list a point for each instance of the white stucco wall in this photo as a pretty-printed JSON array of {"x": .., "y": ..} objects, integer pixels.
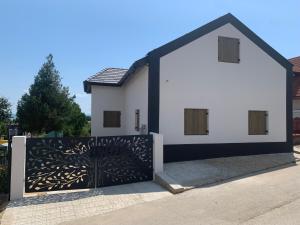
[
  {"x": 106, "y": 98},
  {"x": 192, "y": 77},
  {"x": 136, "y": 97},
  {"x": 130, "y": 96}
]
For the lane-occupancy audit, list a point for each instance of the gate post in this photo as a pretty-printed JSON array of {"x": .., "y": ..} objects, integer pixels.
[
  {"x": 18, "y": 157},
  {"x": 158, "y": 153}
]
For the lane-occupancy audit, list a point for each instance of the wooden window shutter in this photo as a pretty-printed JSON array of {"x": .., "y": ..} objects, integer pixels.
[
  {"x": 236, "y": 50},
  {"x": 195, "y": 121},
  {"x": 111, "y": 119},
  {"x": 257, "y": 122},
  {"x": 228, "y": 49}
]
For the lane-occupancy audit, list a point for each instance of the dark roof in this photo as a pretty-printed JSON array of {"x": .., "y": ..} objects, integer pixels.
[
  {"x": 189, "y": 37},
  {"x": 296, "y": 64},
  {"x": 108, "y": 75},
  {"x": 112, "y": 76}
]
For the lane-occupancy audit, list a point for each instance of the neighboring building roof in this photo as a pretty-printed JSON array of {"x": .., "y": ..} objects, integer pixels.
[
  {"x": 296, "y": 80},
  {"x": 4, "y": 145},
  {"x": 296, "y": 64},
  {"x": 296, "y": 87},
  {"x": 189, "y": 37}
]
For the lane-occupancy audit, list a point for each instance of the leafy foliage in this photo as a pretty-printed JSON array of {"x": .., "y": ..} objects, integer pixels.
[
  {"x": 5, "y": 115},
  {"x": 5, "y": 109},
  {"x": 4, "y": 179},
  {"x": 48, "y": 106}
]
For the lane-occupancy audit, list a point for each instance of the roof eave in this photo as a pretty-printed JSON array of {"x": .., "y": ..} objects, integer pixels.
[
  {"x": 87, "y": 85},
  {"x": 137, "y": 64},
  {"x": 260, "y": 42}
]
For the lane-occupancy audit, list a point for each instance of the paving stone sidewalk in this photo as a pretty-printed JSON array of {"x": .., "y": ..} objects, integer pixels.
[{"x": 56, "y": 208}]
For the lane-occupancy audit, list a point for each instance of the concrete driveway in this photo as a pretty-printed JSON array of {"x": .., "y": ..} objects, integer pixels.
[
  {"x": 272, "y": 197},
  {"x": 69, "y": 205},
  {"x": 181, "y": 176}
]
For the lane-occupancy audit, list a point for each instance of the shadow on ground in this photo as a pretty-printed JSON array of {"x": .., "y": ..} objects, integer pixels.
[
  {"x": 126, "y": 189},
  {"x": 191, "y": 174}
]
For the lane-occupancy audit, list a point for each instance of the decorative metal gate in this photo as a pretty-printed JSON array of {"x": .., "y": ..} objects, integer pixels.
[
  {"x": 124, "y": 159},
  {"x": 73, "y": 163}
]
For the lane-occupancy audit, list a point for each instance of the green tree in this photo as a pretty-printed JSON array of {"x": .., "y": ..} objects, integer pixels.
[
  {"x": 5, "y": 109},
  {"x": 75, "y": 122},
  {"x": 5, "y": 115},
  {"x": 48, "y": 105}
]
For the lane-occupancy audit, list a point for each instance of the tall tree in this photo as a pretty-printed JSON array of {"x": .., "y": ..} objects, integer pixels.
[
  {"x": 5, "y": 109},
  {"x": 48, "y": 105},
  {"x": 5, "y": 115}
]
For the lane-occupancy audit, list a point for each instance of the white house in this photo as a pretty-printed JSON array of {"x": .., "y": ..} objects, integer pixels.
[{"x": 219, "y": 90}]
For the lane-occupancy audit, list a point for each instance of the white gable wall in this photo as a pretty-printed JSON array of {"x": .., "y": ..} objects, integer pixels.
[
  {"x": 136, "y": 97},
  {"x": 105, "y": 98},
  {"x": 192, "y": 77},
  {"x": 130, "y": 96}
]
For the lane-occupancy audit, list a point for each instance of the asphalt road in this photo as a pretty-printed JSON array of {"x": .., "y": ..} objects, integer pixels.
[{"x": 271, "y": 198}]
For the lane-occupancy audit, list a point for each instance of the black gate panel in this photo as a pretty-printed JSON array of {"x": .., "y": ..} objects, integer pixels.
[
  {"x": 59, "y": 164},
  {"x": 76, "y": 163},
  {"x": 124, "y": 159}
]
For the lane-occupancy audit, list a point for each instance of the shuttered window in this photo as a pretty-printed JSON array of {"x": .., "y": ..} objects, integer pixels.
[
  {"x": 195, "y": 121},
  {"x": 111, "y": 119},
  {"x": 228, "y": 49},
  {"x": 258, "y": 122},
  {"x": 137, "y": 120}
]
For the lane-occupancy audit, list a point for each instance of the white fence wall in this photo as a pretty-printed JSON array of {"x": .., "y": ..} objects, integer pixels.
[{"x": 18, "y": 158}]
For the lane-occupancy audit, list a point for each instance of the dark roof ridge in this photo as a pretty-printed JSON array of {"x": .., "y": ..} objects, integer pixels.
[{"x": 193, "y": 35}]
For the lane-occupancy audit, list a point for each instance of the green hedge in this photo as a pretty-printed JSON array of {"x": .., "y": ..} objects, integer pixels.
[{"x": 3, "y": 179}]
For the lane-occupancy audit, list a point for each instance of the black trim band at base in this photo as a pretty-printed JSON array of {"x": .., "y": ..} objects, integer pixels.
[{"x": 186, "y": 152}]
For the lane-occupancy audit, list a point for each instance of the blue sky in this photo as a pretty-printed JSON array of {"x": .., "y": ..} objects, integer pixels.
[{"x": 86, "y": 36}]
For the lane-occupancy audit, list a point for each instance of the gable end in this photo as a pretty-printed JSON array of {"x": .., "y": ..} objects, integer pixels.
[{"x": 213, "y": 25}]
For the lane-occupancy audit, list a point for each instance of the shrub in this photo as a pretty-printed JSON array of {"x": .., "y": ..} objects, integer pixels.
[{"x": 4, "y": 179}]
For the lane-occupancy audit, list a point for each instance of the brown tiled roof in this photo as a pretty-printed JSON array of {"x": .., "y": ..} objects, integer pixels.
[
  {"x": 296, "y": 62},
  {"x": 296, "y": 79},
  {"x": 108, "y": 76},
  {"x": 112, "y": 76}
]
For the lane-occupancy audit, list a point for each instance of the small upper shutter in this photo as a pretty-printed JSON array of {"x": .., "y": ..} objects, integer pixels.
[{"x": 228, "y": 49}]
